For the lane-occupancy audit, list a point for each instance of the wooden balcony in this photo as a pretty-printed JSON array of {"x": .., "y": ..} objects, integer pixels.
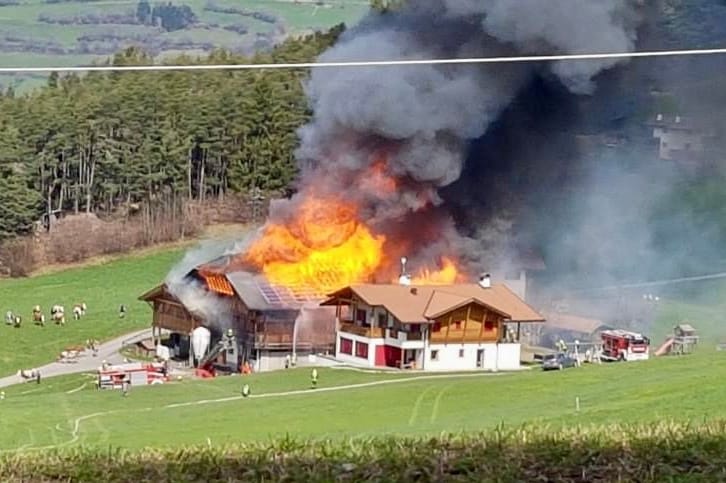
[
  {"x": 463, "y": 337},
  {"x": 370, "y": 332}
]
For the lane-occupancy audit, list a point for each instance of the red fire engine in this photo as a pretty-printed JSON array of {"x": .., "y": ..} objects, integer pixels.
[
  {"x": 622, "y": 345},
  {"x": 135, "y": 374}
]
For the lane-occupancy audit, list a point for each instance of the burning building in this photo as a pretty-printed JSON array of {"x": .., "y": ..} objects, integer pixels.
[
  {"x": 270, "y": 322},
  {"x": 382, "y": 163}
]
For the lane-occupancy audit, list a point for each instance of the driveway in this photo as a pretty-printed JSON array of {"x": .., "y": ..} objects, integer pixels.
[{"x": 108, "y": 351}]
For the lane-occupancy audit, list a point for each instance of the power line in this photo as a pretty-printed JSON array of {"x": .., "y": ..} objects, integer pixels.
[{"x": 371, "y": 63}]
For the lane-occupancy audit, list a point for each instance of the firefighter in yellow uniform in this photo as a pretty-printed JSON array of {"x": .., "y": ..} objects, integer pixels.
[{"x": 314, "y": 379}]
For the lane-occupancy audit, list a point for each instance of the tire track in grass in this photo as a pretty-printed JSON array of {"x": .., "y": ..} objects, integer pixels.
[
  {"x": 435, "y": 410},
  {"x": 76, "y": 423},
  {"x": 417, "y": 405}
]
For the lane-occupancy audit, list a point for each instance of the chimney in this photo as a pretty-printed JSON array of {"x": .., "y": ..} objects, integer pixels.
[
  {"x": 485, "y": 281},
  {"x": 414, "y": 291},
  {"x": 404, "y": 279}
]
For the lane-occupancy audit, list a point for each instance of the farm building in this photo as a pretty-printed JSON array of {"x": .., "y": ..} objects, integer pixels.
[
  {"x": 270, "y": 322},
  {"x": 437, "y": 327},
  {"x": 568, "y": 327}
]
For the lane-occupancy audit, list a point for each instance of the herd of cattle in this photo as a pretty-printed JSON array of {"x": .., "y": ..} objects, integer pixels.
[{"x": 57, "y": 315}]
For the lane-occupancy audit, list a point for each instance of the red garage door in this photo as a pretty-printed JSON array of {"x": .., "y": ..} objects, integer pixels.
[
  {"x": 380, "y": 355},
  {"x": 392, "y": 355}
]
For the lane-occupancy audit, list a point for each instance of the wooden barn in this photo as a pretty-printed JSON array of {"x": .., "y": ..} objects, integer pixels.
[{"x": 270, "y": 322}]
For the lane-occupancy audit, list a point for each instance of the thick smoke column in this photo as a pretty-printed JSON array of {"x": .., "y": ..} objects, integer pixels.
[{"x": 419, "y": 120}]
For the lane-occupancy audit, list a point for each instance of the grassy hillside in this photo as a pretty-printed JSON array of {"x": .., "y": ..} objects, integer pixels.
[
  {"x": 39, "y": 33},
  {"x": 102, "y": 287},
  {"x": 678, "y": 389}
]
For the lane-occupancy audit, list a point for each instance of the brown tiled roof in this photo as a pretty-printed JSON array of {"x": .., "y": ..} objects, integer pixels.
[{"x": 415, "y": 304}]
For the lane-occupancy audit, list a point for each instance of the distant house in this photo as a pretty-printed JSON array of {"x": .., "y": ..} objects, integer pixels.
[
  {"x": 569, "y": 327},
  {"x": 682, "y": 139},
  {"x": 434, "y": 328}
]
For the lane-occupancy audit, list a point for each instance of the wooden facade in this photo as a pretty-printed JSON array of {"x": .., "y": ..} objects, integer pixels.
[
  {"x": 169, "y": 313},
  {"x": 469, "y": 324}
]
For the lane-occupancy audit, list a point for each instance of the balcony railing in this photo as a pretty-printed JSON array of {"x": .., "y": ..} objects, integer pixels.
[
  {"x": 370, "y": 332},
  {"x": 402, "y": 336}
]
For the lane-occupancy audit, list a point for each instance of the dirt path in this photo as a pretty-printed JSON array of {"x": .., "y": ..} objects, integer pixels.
[{"x": 108, "y": 351}]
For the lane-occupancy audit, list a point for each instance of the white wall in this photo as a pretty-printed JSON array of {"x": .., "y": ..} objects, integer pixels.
[
  {"x": 496, "y": 356},
  {"x": 372, "y": 343},
  {"x": 518, "y": 285},
  {"x": 271, "y": 361}
]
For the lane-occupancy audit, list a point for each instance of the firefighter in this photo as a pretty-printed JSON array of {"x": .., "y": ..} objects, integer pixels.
[
  {"x": 314, "y": 379},
  {"x": 246, "y": 390}
]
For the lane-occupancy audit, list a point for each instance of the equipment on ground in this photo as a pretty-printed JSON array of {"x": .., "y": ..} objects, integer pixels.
[
  {"x": 135, "y": 374},
  {"x": 623, "y": 345}
]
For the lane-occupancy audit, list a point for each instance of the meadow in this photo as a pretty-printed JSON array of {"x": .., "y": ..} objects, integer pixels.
[
  {"x": 352, "y": 404},
  {"x": 103, "y": 287}
]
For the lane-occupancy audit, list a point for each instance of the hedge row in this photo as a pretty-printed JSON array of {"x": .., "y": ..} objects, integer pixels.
[{"x": 663, "y": 452}]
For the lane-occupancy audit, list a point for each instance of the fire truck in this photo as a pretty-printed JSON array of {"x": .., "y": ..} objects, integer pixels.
[
  {"x": 622, "y": 345},
  {"x": 135, "y": 374}
]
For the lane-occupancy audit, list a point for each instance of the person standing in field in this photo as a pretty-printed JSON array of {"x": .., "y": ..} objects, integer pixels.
[{"x": 314, "y": 378}]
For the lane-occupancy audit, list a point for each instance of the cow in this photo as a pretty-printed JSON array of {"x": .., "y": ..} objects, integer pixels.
[
  {"x": 79, "y": 310},
  {"x": 29, "y": 375},
  {"x": 38, "y": 316},
  {"x": 57, "y": 313}
]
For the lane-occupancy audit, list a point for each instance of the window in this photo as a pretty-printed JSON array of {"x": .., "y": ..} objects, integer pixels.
[
  {"x": 382, "y": 320},
  {"x": 415, "y": 328},
  {"x": 457, "y": 325},
  {"x": 436, "y": 327},
  {"x": 489, "y": 325},
  {"x": 360, "y": 315},
  {"x": 434, "y": 355},
  {"x": 361, "y": 350},
  {"x": 346, "y": 346},
  {"x": 461, "y": 353}
]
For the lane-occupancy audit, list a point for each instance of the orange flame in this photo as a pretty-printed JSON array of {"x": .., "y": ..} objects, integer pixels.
[
  {"x": 324, "y": 249},
  {"x": 326, "y": 246},
  {"x": 446, "y": 275}
]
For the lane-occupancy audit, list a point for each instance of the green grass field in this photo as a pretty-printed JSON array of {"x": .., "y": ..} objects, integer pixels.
[
  {"x": 678, "y": 389},
  {"x": 102, "y": 287}
]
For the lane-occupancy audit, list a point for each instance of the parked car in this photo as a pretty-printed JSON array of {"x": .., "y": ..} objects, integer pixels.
[{"x": 557, "y": 362}]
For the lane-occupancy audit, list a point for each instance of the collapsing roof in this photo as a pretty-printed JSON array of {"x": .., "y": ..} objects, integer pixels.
[
  {"x": 258, "y": 294},
  {"x": 424, "y": 303}
]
